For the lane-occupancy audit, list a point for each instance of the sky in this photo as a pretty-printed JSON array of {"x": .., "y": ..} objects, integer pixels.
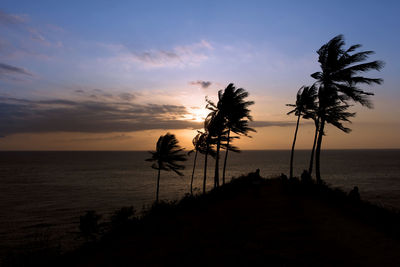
[{"x": 115, "y": 75}]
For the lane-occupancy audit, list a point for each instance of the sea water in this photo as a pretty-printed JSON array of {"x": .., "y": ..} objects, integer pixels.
[{"x": 46, "y": 192}]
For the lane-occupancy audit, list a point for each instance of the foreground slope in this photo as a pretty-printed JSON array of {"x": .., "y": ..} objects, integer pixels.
[{"x": 252, "y": 221}]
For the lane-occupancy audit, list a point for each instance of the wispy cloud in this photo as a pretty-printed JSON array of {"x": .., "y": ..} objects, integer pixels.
[
  {"x": 178, "y": 56},
  {"x": 99, "y": 94},
  {"x": 203, "y": 84},
  {"x": 10, "y": 19},
  {"x": 259, "y": 124},
  {"x": 23, "y": 38},
  {"x": 9, "y": 72},
  {"x": 118, "y": 137}
]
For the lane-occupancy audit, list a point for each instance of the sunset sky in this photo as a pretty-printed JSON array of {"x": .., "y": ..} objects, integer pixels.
[{"x": 115, "y": 75}]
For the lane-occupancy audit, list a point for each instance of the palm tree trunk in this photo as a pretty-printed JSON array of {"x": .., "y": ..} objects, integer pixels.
[
  {"x": 194, "y": 167},
  {"x": 158, "y": 184},
  {"x": 318, "y": 152},
  {"x": 226, "y": 157},
  {"x": 216, "y": 174},
  {"x": 294, "y": 143},
  {"x": 313, "y": 149},
  {"x": 205, "y": 169}
]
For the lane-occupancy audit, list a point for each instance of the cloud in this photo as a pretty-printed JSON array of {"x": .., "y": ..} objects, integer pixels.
[
  {"x": 59, "y": 115},
  {"x": 178, "y": 56},
  {"x": 21, "y": 37},
  {"x": 7, "y": 70},
  {"x": 203, "y": 84},
  {"x": 9, "y": 19},
  {"x": 102, "y": 95},
  {"x": 119, "y": 137},
  {"x": 127, "y": 96},
  {"x": 271, "y": 123},
  {"x": 20, "y": 22}
]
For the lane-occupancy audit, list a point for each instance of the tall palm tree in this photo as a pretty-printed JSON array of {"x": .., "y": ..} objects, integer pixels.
[
  {"x": 237, "y": 113},
  {"x": 199, "y": 143},
  {"x": 167, "y": 156},
  {"x": 209, "y": 147},
  {"x": 339, "y": 78},
  {"x": 316, "y": 124},
  {"x": 234, "y": 109},
  {"x": 305, "y": 102},
  {"x": 215, "y": 127}
]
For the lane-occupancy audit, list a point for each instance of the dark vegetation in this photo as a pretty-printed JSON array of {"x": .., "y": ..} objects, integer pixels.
[{"x": 250, "y": 221}]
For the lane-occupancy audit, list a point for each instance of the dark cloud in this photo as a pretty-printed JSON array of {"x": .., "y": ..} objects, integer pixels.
[
  {"x": 203, "y": 84},
  {"x": 29, "y": 116},
  {"x": 6, "y": 69}
]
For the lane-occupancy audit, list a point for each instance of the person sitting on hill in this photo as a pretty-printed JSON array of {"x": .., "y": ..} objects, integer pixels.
[
  {"x": 305, "y": 177},
  {"x": 354, "y": 194}
]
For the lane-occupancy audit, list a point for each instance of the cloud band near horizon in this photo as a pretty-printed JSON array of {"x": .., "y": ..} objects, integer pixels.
[{"x": 58, "y": 115}]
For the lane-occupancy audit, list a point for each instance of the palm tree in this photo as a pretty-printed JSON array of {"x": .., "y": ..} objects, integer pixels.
[
  {"x": 315, "y": 118},
  {"x": 235, "y": 114},
  {"x": 215, "y": 122},
  {"x": 167, "y": 156},
  {"x": 199, "y": 143},
  {"x": 305, "y": 102},
  {"x": 209, "y": 148},
  {"x": 339, "y": 78}
]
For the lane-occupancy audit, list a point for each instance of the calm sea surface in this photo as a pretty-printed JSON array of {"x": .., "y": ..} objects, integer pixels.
[{"x": 46, "y": 192}]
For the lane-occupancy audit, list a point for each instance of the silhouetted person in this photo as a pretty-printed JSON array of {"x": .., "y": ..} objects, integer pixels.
[
  {"x": 354, "y": 194},
  {"x": 284, "y": 177},
  {"x": 257, "y": 173},
  {"x": 305, "y": 177}
]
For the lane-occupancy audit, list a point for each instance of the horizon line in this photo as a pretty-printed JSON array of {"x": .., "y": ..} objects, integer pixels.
[{"x": 190, "y": 149}]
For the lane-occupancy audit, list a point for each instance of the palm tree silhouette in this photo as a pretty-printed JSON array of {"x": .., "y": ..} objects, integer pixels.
[
  {"x": 167, "y": 156},
  {"x": 335, "y": 114},
  {"x": 215, "y": 122},
  {"x": 209, "y": 147},
  {"x": 315, "y": 118},
  {"x": 339, "y": 78},
  {"x": 200, "y": 145},
  {"x": 236, "y": 114},
  {"x": 304, "y": 106}
]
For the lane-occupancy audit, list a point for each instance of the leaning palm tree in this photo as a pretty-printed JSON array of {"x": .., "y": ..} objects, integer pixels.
[
  {"x": 237, "y": 114},
  {"x": 199, "y": 144},
  {"x": 339, "y": 78},
  {"x": 215, "y": 122},
  {"x": 167, "y": 156},
  {"x": 315, "y": 118},
  {"x": 305, "y": 101},
  {"x": 234, "y": 109},
  {"x": 208, "y": 147}
]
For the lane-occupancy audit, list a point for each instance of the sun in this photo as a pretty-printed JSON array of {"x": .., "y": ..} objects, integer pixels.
[{"x": 198, "y": 114}]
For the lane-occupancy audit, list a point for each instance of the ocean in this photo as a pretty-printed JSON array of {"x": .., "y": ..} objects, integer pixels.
[{"x": 44, "y": 193}]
